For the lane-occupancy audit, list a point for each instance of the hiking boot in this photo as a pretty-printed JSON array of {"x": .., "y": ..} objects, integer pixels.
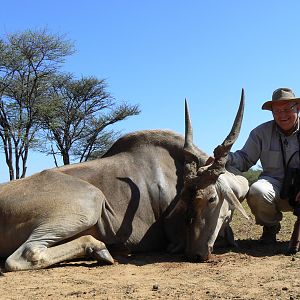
[
  {"x": 294, "y": 243},
  {"x": 269, "y": 234}
]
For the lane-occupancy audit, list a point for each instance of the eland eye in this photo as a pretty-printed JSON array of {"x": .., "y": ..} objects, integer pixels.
[{"x": 212, "y": 199}]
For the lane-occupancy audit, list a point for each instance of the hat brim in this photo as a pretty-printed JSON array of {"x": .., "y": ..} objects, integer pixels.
[{"x": 268, "y": 105}]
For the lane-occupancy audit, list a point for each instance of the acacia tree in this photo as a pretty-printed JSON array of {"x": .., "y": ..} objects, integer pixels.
[
  {"x": 27, "y": 61},
  {"x": 77, "y": 116}
]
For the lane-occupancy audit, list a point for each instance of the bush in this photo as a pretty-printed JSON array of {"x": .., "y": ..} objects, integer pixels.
[{"x": 252, "y": 175}]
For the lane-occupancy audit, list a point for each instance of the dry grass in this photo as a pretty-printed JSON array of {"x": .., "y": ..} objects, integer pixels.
[
  {"x": 245, "y": 230},
  {"x": 249, "y": 272}
]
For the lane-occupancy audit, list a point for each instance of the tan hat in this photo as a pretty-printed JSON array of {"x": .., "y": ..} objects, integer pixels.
[{"x": 281, "y": 95}]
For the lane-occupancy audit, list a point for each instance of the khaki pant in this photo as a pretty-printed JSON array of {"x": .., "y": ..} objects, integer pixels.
[{"x": 265, "y": 202}]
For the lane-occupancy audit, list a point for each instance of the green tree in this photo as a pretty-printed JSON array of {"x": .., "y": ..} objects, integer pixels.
[
  {"x": 27, "y": 62},
  {"x": 77, "y": 116}
]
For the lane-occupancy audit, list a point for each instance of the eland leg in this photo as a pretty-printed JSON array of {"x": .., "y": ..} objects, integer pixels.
[{"x": 36, "y": 255}]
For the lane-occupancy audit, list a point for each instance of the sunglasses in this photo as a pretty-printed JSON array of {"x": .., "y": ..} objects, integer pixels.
[{"x": 287, "y": 110}]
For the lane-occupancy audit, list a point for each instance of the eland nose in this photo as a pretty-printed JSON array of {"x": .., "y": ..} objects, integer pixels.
[{"x": 198, "y": 258}]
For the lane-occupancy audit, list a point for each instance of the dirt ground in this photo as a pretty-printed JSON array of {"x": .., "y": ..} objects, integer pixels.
[{"x": 251, "y": 271}]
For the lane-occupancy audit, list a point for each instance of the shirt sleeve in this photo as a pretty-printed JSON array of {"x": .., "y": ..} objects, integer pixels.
[{"x": 248, "y": 156}]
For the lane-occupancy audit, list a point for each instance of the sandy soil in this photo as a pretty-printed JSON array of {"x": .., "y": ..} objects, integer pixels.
[{"x": 251, "y": 271}]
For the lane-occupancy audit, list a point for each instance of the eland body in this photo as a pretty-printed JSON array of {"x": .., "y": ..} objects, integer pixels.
[{"x": 139, "y": 195}]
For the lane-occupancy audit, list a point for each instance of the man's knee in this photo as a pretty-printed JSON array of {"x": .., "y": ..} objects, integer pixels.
[
  {"x": 261, "y": 200},
  {"x": 255, "y": 195},
  {"x": 261, "y": 191}
]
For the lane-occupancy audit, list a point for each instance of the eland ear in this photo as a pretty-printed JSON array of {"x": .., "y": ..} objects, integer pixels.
[
  {"x": 234, "y": 202},
  {"x": 229, "y": 195}
]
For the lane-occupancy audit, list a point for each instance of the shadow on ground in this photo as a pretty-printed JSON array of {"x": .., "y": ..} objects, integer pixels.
[
  {"x": 249, "y": 247},
  {"x": 256, "y": 248}
]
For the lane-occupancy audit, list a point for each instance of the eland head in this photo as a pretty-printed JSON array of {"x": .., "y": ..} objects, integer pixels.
[{"x": 206, "y": 196}]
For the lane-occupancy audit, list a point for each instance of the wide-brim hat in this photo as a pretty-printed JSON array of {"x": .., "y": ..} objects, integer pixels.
[{"x": 281, "y": 95}]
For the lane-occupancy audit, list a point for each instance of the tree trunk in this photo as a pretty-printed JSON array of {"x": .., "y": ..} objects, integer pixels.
[
  {"x": 66, "y": 158},
  {"x": 8, "y": 154},
  {"x": 24, "y": 161}
]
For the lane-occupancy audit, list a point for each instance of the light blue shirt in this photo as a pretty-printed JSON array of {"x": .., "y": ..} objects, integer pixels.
[{"x": 263, "y": 144}]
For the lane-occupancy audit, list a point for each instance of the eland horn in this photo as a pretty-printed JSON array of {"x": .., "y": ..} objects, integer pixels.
[
  {"x": 190, "y": 155},
  {"x": 188, "y": 148},
  {"x": 221, "y": 151}
]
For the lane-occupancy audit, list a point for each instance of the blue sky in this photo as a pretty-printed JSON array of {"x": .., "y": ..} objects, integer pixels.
[{"x": 157, "y": 53}]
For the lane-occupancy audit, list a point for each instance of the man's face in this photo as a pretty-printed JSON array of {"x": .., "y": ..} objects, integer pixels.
[{"x": 285, "y": 115}]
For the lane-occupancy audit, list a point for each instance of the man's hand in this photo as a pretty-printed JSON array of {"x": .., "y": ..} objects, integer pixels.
[{"x": 210, "y": 160}]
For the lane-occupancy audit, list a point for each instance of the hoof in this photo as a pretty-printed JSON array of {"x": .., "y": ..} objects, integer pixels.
[
  {"x": 102, "y": 256},
  {"x": 293, "y": 249}
]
